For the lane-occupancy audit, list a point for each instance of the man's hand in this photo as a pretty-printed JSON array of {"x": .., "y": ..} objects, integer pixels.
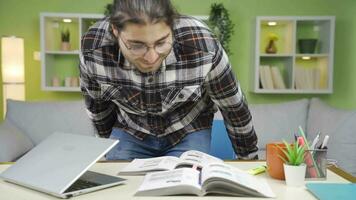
[{"x": 251, "y": 156}]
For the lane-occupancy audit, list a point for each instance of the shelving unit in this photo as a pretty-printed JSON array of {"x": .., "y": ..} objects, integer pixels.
[
  {"x": 288, "y": 70},
  {"x": 61, "y": 65}
]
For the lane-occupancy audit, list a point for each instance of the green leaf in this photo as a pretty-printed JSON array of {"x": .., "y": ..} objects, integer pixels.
[{"x": 294, "y": 153}]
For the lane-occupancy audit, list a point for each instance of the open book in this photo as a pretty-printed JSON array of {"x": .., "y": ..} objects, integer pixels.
[
  {"x": 214, "y": 178},
  {"x": 187, "y": 159}
]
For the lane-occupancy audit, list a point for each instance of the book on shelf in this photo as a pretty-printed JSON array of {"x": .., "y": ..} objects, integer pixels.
[
  {"x": 266, "y": 77},
  {"x": 308, "y": 78},
  {"x": 263, "y": 80},
  {"x": 278, "y": 82},
  {"x": 214, "y": 178},
  {"x": 187, "y": 159}
]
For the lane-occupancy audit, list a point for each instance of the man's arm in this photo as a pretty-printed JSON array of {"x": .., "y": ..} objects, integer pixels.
[
  {"x": 225, "y": 92},
  {"x": 102, "y": 113}
]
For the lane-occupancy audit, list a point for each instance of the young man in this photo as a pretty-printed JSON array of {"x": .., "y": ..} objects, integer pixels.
[{"x": 154, "y": 79}]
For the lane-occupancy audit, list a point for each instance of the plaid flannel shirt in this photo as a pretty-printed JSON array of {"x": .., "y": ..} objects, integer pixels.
[{"x": 181, "y": 97}]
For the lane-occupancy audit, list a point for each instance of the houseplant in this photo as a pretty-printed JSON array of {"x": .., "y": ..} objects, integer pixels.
[
  {"x": 221, "y": 24},
  {"x": 108, "y": 9},
  {"x": 65, "y": 38},
  {"x": 293, "y": 156},
  {"x": 271, "y": 46}
]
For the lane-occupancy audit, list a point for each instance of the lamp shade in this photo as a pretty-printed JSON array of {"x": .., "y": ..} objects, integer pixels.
[{"x": 12, "y": 60}]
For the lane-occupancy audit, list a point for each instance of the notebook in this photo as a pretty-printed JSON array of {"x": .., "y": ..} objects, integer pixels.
[
  {"x": 333, "y": 191},
  {"x": 59, "y": 166}
]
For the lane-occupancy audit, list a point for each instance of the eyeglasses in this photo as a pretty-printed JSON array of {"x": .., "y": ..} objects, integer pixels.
[{"x": 142, "y": 49}]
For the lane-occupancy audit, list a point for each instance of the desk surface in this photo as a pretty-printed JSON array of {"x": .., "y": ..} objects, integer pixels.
[{"x": 127, "y": 191}]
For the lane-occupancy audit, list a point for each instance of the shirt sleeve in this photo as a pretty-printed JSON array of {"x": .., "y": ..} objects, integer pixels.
[
  {"x": 224, "y": 90},
  {"x": 101, "y": 112}
]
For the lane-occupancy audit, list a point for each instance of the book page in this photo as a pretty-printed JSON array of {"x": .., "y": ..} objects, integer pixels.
[
  {"x": 142, "y": 166},
  {"x": 244, "y": 183},
  {"x": 220, "y": 170},
  {"x": 197, "y": 158},
  {"x": 177, "y": 181}
]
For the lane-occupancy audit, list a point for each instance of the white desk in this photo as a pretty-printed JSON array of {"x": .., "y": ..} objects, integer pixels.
[{"x": 10, "y": 191}]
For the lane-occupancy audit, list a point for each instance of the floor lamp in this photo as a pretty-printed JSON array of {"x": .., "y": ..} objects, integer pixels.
[{"x": 12, "y": 67}]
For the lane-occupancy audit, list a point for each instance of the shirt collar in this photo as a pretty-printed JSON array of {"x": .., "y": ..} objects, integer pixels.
[{"x": 171, "y": 58}]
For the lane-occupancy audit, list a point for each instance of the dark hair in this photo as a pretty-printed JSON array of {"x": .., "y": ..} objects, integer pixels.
[{"x": 142, "y": 12}]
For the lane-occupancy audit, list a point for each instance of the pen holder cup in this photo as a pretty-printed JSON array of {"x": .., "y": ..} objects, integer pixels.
[{"x": 316, "y": 163}]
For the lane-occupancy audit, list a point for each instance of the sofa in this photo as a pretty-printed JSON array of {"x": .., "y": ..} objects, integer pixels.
[{"x": 26, "y": 124}]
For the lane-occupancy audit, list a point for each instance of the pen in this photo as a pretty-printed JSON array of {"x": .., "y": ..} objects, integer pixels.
[
  {"x": 315, "y": 141},
  {"x": 325, "y": 142}
]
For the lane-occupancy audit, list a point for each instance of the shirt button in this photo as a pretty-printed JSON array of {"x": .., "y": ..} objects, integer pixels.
[{"x": 150, "y": 79}]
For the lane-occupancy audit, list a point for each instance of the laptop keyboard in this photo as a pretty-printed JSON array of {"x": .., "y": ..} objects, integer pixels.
[{"x": 80, "y": 185}]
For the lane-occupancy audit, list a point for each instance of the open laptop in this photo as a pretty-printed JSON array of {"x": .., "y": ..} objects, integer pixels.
[{"x": 59, "y": 164}]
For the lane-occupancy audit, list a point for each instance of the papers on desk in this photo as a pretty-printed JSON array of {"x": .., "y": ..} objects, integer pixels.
[{"x": 333, "y": 191}]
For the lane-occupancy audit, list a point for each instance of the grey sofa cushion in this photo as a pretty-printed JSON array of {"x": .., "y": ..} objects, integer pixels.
[
  {"x": 340, "y": 125},
  {"x": 40, "y": 119},
  {"x": 16, "y": 143},
  {"x": 277, "y": 122}
]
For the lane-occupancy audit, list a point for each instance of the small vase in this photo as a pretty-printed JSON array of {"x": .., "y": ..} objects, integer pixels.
[
  {"x": 295, "y": 175},
  {"x": 271, "y": 47},
  {"x": 74, "y": 82},
  {"x": 65, "y": 46},
  {"x": 307, "y": 45},
  {"x": 56, "y": 82},
  {"x": 67, "y": 81}
]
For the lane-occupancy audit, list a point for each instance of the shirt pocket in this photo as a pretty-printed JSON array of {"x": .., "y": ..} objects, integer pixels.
[
  {"x": 176, "y": 97},
  {"x": 127, "y": 98}
]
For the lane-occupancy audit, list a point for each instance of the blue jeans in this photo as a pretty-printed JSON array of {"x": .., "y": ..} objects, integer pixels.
[{"x": 130, "y": 147}]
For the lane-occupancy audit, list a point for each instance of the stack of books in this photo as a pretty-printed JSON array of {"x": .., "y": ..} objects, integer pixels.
[
  {"x": 308, "y": 78},
  {"x": 271, "y": 77}
]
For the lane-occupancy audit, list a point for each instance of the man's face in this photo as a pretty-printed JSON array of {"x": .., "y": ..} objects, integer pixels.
[{"x": 145, "y": 46}]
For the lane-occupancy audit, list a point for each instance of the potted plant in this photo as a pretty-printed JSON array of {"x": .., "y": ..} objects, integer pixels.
[
  {"x": 293, "y": 156},
  {"x": 271, "y": 46},
  {"x": 65, "y": 38},
  {"x": 220, "y": 23},
  {"x": 307, "y": 45}
]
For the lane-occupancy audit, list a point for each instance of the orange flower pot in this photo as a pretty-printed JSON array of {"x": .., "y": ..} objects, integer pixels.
[{"x": 274, "y": 162}]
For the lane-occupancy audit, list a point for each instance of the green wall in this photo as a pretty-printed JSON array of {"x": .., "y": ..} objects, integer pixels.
[{"x": 21, "y": 18}]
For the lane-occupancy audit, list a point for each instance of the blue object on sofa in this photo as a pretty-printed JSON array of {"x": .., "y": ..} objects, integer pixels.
[{"x": 220, "y": 143}]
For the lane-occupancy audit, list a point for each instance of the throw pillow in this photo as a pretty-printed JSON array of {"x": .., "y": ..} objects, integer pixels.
[
  {"x": 13, "y": 142},
  {"x": 38, "y": 120},
  {"x": 277, "y": 122}
]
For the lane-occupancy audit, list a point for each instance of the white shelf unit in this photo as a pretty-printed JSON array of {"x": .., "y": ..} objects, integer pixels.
[
  {"x": 302, "y": 73},
  {"x": 57, "y": 63}
]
